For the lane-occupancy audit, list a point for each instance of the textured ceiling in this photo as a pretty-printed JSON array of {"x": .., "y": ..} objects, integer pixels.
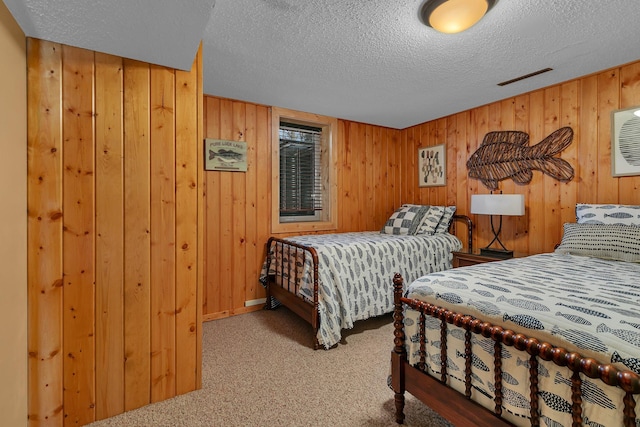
[
  {"x": 164, "y": 32},
  {"x": 371, "y": 61}
]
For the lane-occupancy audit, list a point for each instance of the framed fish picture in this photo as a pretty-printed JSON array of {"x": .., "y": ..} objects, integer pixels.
[
  {"x": 223, "y": 155},
  {"x": 432, "y": 166},
  {"x": 625, "y": 142}
]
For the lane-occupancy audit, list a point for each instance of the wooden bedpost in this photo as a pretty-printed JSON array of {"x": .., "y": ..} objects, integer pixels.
[
  {"x": 267, "y": 285},
  {"x": 399, "y": 353}
]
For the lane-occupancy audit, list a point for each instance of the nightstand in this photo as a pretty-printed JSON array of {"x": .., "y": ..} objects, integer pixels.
[{"x": 463, "y": 259}]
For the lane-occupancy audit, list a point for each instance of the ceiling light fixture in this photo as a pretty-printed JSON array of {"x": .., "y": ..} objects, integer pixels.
[{"x": 454, "y": 16}]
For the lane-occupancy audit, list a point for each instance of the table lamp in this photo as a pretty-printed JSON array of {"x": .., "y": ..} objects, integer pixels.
[{"x": 497, "y": 204}]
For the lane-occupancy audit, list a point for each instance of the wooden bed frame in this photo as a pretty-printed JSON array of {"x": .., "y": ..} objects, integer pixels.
[
  {"x": 287, "y": 291},
  {"x": 460, "y": 409}
]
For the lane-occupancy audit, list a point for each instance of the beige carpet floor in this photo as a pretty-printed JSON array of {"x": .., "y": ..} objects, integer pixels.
[{"x": 260, "y": 369}]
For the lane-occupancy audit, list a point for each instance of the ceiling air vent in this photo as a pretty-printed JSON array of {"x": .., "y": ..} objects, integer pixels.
[{"x": 526, "y": 76}]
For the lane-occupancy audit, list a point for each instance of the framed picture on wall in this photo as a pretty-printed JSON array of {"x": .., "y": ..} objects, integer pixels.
[
  {"x": 223, "y": 155},
  {"x": 432, "y": 166},
  {"x": 625, "y": 142}
]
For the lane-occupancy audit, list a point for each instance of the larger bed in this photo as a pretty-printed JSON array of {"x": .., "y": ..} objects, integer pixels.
[
  {"x": 551, "y": 339},
  {"x": 334, "y": 280}
]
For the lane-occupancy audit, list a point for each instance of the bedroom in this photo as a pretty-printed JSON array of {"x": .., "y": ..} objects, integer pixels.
[{"x": 583, "y": 103}]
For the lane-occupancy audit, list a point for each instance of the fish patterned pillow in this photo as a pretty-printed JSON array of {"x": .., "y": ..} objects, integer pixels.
[
  {"x": 405, "y": 220},
  {"x": 443, "y": 225},
  {"x": 606, "y": 241},
  {"x": 607, "y": 214},
  {"x": 431, "y": 220}
]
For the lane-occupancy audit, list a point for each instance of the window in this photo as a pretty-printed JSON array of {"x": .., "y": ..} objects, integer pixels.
[
  {"x": 303, "y": 175},
  {"x": 300, "y": 172}
]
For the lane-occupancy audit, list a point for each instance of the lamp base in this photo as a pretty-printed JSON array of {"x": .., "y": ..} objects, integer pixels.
[{"x": 496, "y": 253}]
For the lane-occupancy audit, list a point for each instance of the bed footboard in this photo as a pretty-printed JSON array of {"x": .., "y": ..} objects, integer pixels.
[
  {"x": 283, "y": 279},
  {"x": 436, "y": 394}
]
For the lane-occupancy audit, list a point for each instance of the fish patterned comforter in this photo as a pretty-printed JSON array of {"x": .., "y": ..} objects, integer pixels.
[
  {"x": 356, "y": 269},
  {"x": 583, "y": 304}
]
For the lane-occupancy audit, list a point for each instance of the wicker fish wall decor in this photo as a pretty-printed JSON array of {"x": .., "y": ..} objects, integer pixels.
[{"x": 507, "y": 154}]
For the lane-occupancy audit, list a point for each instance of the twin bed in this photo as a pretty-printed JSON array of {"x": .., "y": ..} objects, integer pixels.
[
  {"x": 551, "y": 339},
  {"x": 334, "y": 280}
]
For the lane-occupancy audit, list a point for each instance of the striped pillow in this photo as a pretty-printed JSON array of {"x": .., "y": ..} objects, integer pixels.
[{"x": 606, "y": 241}]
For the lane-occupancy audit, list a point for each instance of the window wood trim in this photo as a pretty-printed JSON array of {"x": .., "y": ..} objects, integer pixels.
[{"x": 329, "y": 127}]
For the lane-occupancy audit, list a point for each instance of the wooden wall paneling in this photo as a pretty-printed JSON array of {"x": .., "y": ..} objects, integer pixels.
[
  {"x": 109, "y": 177},
  {"x": 370, "y": 196},
  {"x": 341, "y": 176},
  {"x": 44, "y": 245},
  {"x": 263, "y": 202},
  {"x": 462, "y": 197},
  {"x": 381, "y": 185},
  {"x": 78, "y": 245},
  {"x": 535, "y": 189},
  {"x": 425, "y": 131},
  {"x": 226, "y": 216},
  {"x": 251, "y": 218},
  {"x": 396, "y": 141},
  {"x": 410, "y": 167},
  {"x": 521, "y": 224},
  {"x": 629, "y": 187},
  {"x": 439, "y": 194},
  {"x": 391, "y": 165},
  {"x": 477, "y": 128},
  {"x": 201, "y": 218},
  {"x": 422, "y": 142},
  {"x": 353, "y": 177},
  {"x": 382, "y": 209},
  {"x": 137, "y": 228},
  {"x": 405, "y": 168},
  {"x": 212, "y": 291},
  {"x": 89, "y": 282},
  {"x": 346, "y": 202},
  {"x": 387, "y": 161},
  {"x": 393, "y": 170},
  {"x": 587, "y": 172},
  {"x": 413, "y": 143},
  {"x": 239, "y": 194},
  {"x": 188, "y": 149},
  {"x": 163, "y": 219},
  {"x": 386, "y": 176},
  {"x": 569, "y": 116},
  {"x": 363, "y": 209},
  {"x": 608, "y": 100},
  {"x": 552, "y": 202},
  {"x": 452, "y": 167}
]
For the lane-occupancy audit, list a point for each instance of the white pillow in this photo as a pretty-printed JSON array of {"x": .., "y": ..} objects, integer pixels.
[{"x": 607, "y": 214}]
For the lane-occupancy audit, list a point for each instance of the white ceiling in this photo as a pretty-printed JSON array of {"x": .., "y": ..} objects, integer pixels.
[{"x": 371, "y": 61}]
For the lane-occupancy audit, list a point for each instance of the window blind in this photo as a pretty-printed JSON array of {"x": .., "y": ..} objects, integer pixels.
[{"x": 300, "y": 171}]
